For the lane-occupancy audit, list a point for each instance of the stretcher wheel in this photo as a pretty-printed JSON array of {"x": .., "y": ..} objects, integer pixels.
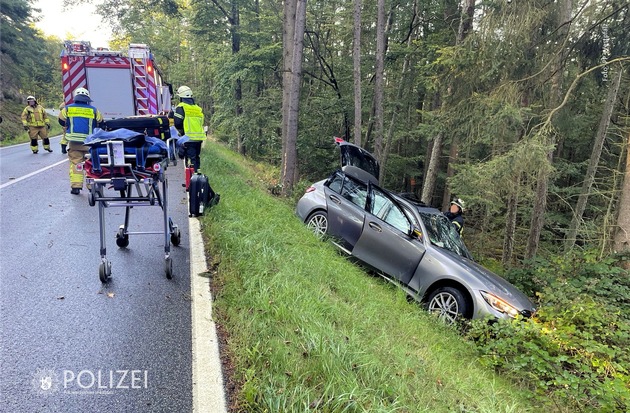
[
  {"x": 176, "y": 237},
  {"x": 122, "y": 239},
  {"x": 91, "y": 198},
  {"x": 105, "y": 271},
  {"x": 169, "y": 267}
]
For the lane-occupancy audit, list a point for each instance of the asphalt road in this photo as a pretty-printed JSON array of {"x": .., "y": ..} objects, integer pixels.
[{"x": 69, "y": 343}]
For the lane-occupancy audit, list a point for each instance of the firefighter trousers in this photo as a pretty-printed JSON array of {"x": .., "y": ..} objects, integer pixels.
[
  {"x": 76, "y": 154},
  {"x": 38, "y": 131}
]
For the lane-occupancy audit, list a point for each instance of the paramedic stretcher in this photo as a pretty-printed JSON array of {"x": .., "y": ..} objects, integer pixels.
[{"x": 127, "y": 169}]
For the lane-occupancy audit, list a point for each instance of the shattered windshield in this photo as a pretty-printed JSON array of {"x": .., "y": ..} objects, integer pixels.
[{"x": 443, "y": 234}]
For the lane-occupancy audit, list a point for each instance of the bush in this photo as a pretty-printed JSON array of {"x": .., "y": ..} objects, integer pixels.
[{"x": 576, "y": 346}]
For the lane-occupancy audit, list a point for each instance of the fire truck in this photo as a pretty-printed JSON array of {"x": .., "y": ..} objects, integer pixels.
[{"x": 120, "y": 84}]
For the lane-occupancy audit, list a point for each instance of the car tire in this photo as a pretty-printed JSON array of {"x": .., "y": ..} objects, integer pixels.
[
  {"x": 448, "y": 303},
  {"x": 318, "y": 223}
]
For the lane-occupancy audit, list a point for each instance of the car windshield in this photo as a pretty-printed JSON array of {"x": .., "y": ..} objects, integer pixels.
[{"x": 443, "y": 234}]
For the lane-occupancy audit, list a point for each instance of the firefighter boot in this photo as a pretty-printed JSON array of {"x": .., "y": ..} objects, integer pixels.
[
  {"x": 47, "y": 148},
  {"x": 34, "y": 146},
  {"x": 75, "y": 191},
  {"x": 63, "y": 148}
]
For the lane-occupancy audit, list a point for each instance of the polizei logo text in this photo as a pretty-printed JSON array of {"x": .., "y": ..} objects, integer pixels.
[{"x": 90, "y": 381}]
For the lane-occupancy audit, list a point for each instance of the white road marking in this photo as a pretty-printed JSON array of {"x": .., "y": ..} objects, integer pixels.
[
  {"x": 21, "y": 178},
  {"x": 207, "y": 376}
]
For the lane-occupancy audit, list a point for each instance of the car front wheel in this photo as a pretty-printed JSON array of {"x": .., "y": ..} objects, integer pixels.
[
  {"x": 448, "y": 303},
  {"x": 318, "y": 223}
]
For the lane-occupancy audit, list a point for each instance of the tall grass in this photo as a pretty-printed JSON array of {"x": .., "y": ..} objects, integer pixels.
[{"x": 309, "y": 331}]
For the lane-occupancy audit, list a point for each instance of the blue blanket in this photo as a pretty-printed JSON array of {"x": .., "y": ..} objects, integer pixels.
[{"x": 134, "y": 143}]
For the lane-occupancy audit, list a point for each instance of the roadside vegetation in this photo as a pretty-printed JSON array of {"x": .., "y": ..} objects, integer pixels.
[{"x": 304, "y": 329}]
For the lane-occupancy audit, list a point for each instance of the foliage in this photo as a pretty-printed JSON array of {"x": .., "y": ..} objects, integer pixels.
[
  {"x": 575, "y": 348},
  {"x": 30, "y": 65}
]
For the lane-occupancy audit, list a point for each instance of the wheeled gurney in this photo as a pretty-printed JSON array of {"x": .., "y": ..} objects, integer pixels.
[{"x": 127, "y": 169}]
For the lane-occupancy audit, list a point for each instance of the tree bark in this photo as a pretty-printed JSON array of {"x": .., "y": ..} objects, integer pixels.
[
  {"x": 510, "y": 225},
  {"x": 289, "y": 173},
  {"x": 379, "y": 82},
  {"x": 602, "y": 130},
  {"x": 288, "y": 31},
  {"x": 430, "y": 177},
  {"x": 356, "y": 55}
]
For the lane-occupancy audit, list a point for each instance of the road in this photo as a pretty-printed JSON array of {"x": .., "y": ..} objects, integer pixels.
[{"x": 68, "y": 342}]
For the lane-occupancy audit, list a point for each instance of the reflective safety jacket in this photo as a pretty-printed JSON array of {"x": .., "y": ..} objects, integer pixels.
[
  {"x": 35, "y": 116},
  {"x": 79, "y": 119},
  {"x": 189, "y": 119}
]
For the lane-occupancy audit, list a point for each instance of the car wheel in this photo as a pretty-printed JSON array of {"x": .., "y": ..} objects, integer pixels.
[
  {"x": 318, "y": 223},
  {"x": 448, "y": 303}
]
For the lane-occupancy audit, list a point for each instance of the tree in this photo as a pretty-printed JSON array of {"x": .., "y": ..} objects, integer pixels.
[
  {"x": 602, "y": 130},
  {"x": 356, "y": 54},
  {"x": 378, "y": 82},
  {"x": 289, "y": 156}
]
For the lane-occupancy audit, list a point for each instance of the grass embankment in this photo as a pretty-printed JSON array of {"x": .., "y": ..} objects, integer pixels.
[
  {"x": 310, "y": 331},
  {"x": 12, "y": 132}
]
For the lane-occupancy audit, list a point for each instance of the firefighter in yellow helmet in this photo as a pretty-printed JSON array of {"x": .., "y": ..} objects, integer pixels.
[
  {"x": 79, "y": 119},
  {"x": 188, "y": 119},
  {"x": 36, "y": 123}
]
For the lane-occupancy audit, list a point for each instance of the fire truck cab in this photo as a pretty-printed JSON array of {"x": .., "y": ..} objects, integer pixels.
[{"x": 120, "y": 84}]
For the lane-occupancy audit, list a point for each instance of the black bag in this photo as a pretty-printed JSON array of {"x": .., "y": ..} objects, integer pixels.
[
  {"x": 151, "y": 125},
  {"x": 200, "y": 195}
]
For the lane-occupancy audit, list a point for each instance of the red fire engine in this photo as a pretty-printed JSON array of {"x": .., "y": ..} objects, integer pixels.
[{"x": 120, "y": 85}]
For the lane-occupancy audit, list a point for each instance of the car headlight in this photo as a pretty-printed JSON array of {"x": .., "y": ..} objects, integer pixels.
[{"x": 499, "y": 304}]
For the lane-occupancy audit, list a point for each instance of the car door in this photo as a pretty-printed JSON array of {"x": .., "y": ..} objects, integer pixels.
[
  {"x": 384, "y": 242},
  {"x": 346, "y": 199}
]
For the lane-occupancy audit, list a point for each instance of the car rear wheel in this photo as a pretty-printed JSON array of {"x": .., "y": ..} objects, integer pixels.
[
  {"x": 318, "y": 223},
  {"x": 448, "y": 303}
]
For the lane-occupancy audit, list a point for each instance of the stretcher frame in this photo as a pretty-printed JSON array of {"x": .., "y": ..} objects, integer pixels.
[{"x": 151, "y": 189}]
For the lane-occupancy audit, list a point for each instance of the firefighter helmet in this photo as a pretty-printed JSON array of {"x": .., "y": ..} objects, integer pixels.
[
  {"x": 81, "y": 94},
  {"x": 184, "y": 92},
  {"x": 459, "y": 203},
  {"x": 31, "y": 97}
]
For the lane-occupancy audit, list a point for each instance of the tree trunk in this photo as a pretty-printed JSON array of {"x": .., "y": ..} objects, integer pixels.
[
  {"x": 510, "y": 225},
  {"x": 542, "y": 184},
  {"x": 430, "y": 177},
  {"x": 379, "y": 82},
  {"x": 356, "y": 55},
  {"x": 602, "y": 130},
  {"x": 288, "y": 31},
  {"x": 289, "y": 173}
]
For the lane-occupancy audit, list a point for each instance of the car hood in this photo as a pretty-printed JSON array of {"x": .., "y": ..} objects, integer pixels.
[{"x": 483, "y": 279}]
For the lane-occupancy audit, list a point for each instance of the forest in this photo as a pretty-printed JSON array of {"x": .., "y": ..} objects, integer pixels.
[{"x": 520, "y": 108}]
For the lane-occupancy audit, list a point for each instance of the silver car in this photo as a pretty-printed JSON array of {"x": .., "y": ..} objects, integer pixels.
[{"x": 409, "y": 243}]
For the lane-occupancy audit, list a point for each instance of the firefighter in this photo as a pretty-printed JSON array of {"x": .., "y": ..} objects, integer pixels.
[
  {"x": 455, "y": 214},
  {"x": 36, "y": 123},
  {"x": 64, "y": 141},
  {"x": 79, "y": 119},
  {"x": 188, "y": 120}
]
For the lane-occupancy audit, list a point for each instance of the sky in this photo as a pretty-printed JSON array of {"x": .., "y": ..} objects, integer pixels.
[{"x": 79, "y": 22}]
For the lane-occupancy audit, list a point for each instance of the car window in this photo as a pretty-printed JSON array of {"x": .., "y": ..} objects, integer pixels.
[
  {"x": 443, "y": 234},
  {"x": 354, "y": 191},
  {"x": 384, "y": 208},
  {"x": 336, "y": 183}
]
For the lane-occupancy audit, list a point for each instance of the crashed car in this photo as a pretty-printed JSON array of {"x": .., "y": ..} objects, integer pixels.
[{"x": 409, "y": 243}]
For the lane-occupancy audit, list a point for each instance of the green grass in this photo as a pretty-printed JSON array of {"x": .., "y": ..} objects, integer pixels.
[{"x": 310, "y": 331}]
